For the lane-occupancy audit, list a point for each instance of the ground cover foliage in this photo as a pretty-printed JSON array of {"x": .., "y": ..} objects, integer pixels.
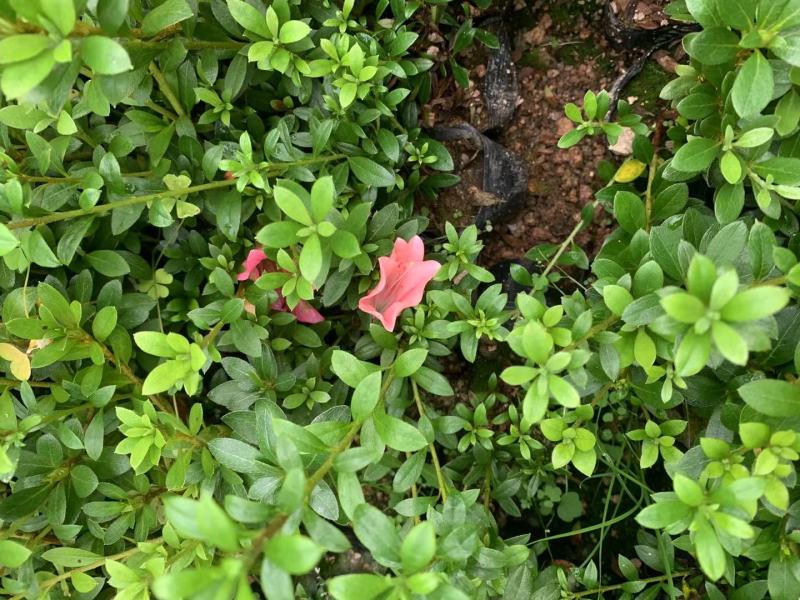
[{"x": 204, "y": 205}]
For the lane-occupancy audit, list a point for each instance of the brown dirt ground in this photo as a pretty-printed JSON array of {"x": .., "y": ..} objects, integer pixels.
[{"x": 557, "y": 60}]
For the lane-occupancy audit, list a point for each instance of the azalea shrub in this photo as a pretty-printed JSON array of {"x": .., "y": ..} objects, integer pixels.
[{"x": 240, "y": 362}]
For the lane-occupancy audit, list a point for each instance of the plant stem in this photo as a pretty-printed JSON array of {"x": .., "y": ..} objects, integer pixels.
[
  {"x": 131, "y": 376},
  {"x": 648, "y": 195},
  {"x": 601, "y": 326},
  {"x": 33, "y": 384},
  {"x": 617, "y": 586},
  {"x": 323, "y": 470},
  {"x": 161, "y": 110},
  {"x": 565, "y": 244},
  {"x": 215, "y": 330},
  {"x": 434, "y": 456},
  {"x": 278, "y": 521},
  {"x": 166, "y": 89},
  {"x": 188, "y": 44},
  {"x": 100, "y": 209},
  {"x": 48, "y": 583},
  {"x": 38, "y": 179}
]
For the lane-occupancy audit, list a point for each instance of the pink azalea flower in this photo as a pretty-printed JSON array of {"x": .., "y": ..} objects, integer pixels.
[
  {"x": 257, "y": 263},
  {"x": 252, "y": 265},
  {"x": 404, "y": 275}
]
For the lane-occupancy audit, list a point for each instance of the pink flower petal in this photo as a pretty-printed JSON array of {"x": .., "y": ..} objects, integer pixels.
[
  {"x": 306, "y": 313},
  {"x": 257, "y": 263},
  {"x": 251, "y": 265},
  {"x": 404, "y": 275}
]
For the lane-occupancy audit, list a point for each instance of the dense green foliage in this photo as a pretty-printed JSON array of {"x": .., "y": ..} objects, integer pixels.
[{"x": 171, "y": 428}]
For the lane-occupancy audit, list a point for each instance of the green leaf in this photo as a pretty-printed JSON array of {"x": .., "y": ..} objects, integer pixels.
[
  {"x": 105, "y": 56},
  {"x": 710, "y": 553},
  {"x": 754, "y": 137},
  {"x": 346, "y": 96},
  {"x": 696, "y": 155},
  {"x": 409, "y": 362},
  {"x": 771, "y": 397},
  {"x": 377, "y": 532},
  {"x": 713, "y": 46},
  {"x": 784, "y": 170},
  {"x": 12, "y": 554},
  {"x": 345, "y": 244},
  {"x": 518, "y": 375},
  {"x": 397, "y": 434},
  {"x": 291, "y": 205},
  {"x": 738, "y": 14},
  {"x": 93, "y": 437},
  {"x": 563, "y": 392},
  {"x": 249, "y": 17},
  {"x": 104, "y": 322},
  {"x": 562, "y": 454},
  {"x": 160, "y": 379},
  {"x": 280, "y": 234},
  {"x": 236, "y": 455},
  {"x": 20, "y": 78},
  {"x": 689, "y": 492},
  {"x": 362, "y": 586},
  {"x": 311, "y": 258},
  {"x": 71, "y": 557},
  {"x": 617, "y": 298},
  {"x": 293, "y": 31},
  {"x": 684, "y": 307},
  {"x": 17, "y": 48},
  {"x": 664, "y": 240},
  {"x": 433, "y": 382},
  {"x": 108, "y": 263},
  {"x": 296, "y": 554},
  {"x": 644, "y": 349},
  {"x": 418, "y": 548},
  {"x": 728, "y": 202},
  {"x": 585, "y": 461},
  {"x": 349, "y": 369},
  {"x": 323, "y": 194},
  {"x": 111, "y": 14},
  {"x": 156, "y": 343},
  {"x": 370, "y": 173},
  {"x": 782, "y": 577},
  {"x": 693, "y": 353},
  {"x": 731, "y": 167},
  {"x": 60, "y": 13},
  {"x": 755, "y": 303},
  {"x": 366, "y": 396},
  {"x": 37, "y": 249},
  {"x": 754, "y": 86},
  {"x": 8, "y": 241},
  {"x": 629, "y": 210},
  {"x": 84, "y": 481},
  {"x": 82, "y": 582},
  {"x": 21, "y": 116},
  {"x": 729, "y": 343},
  {"x": 164, "y": 15}
]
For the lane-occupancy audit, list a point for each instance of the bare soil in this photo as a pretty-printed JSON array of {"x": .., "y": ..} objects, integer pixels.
[{"x": 560, "y": 51}]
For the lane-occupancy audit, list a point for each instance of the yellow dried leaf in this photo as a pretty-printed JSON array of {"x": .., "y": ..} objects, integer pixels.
[
  {"x": 629, "y": 171},
  {"x": 20, "y": 364}
]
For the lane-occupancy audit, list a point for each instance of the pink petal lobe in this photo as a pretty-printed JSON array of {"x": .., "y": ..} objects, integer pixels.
[
  {"x": 251, "y": 265},
  {"x": 306, "y": 313},
  {"x": 404, "y": 275}
]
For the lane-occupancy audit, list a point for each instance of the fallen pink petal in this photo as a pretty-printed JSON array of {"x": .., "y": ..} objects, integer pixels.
[
  {"x": 404, "y": 275},
  {"x": 257, "y": 263}
]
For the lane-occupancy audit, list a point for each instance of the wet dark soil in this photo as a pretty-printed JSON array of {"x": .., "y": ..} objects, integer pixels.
[{"x": 559, "y": 50}]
